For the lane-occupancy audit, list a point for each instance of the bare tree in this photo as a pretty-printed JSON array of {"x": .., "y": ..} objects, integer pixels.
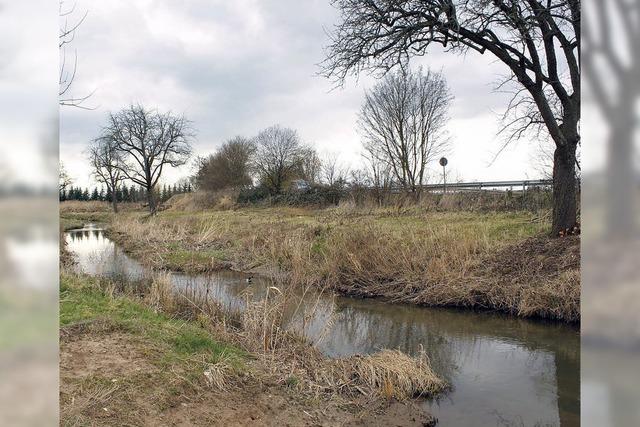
[
  {"x": 64, "y": 180},
  {"x": 333, "y": 172},
  {"x": 403, "y": 122},
  {"x": 67, "y": 73},
  {"x": 106, "y": 162},
  {"x": 310, "y": 165},
  {"x": 147, "y": 142},
  {"x": 538, "y": 41},
  {"x": 379, "y": 176},
  {"x": 278, "y": 157},
  {"x": 229, "y": 167},
  {"x": 359, "y": 185}
]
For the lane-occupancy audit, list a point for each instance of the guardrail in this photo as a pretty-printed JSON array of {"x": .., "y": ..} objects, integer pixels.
[{"x": 524, "y": 184}]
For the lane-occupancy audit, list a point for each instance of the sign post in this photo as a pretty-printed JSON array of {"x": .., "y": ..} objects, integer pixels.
[{"x": 443, "y": 163}]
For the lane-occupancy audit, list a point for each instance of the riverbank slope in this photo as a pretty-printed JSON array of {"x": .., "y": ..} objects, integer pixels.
[
  {"x": 479, "y": 260},
  {"x": 124, "y": 361}
]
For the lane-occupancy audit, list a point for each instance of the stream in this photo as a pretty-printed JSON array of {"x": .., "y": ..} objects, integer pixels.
[{"x": 504, "y": 371}]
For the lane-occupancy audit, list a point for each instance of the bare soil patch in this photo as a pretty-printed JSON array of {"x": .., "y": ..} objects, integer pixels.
[{"x": 108, "y": 378}]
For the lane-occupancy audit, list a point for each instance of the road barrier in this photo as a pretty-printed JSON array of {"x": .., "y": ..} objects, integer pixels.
[{"x": 487, "y": 185}]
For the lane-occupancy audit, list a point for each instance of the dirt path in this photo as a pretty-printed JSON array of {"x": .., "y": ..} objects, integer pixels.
[{"x": 107, "y": 378}]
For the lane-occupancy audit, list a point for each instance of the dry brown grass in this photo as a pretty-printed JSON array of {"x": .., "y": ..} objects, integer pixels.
[
  {"x": 262, "y": 321},
  {"x": 219, "y": 375},
  {"x": 391, "y": 374},
  {"x": 81, "y": 206},
  {"x": 161, "y": 295},
  {"x": 200, "y": 200},
  {"x": 538, "y": 277},
  {"x": 281, "y": 353},
  {"x": 405, "y": 254},
  {"x": 388, "y": 374},
  {"x": 91, "y": 400}
]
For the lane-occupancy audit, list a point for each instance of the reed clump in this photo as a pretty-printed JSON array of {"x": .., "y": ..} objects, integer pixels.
[
  {"x": 266, "y": 329},
  {"x": 390, "y": 374},
  {"x": 262, "y": 321},
  {"x": 160, "y": 295}
]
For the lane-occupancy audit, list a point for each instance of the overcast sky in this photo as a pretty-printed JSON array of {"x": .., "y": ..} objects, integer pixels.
[
  {"x": 28, "y": 89},
  {"x": 234, "y": 68}
]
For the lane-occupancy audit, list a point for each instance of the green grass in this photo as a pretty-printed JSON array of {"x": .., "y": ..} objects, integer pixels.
[
  {"x": 67, "y": 223},
  {"x": 69, "y": 220},
  {"x": 81, "y": 300}
]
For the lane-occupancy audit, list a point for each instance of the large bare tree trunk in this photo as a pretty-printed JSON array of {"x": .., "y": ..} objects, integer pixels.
[
  {"x": 151, "y": 199},
  {"x": 565, "y": 203},
  {"x": 114, "y": 198}
]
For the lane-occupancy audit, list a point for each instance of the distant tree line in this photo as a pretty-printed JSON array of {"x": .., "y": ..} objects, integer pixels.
[
  {"x": 123, "y": 193},
  {"x": 403, "y": 127},
  {"x": 402, "y": 124}
]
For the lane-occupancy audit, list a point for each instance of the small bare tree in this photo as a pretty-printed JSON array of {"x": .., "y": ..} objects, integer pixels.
[
  {"x": 106, "y": 162},
  {"x": 229, "y": 167},
  {"x": 64, "y": 180},
  {"x": 310, "y": 165},
  {"x": 332, "y": 170},
  {"x": 379, "y": 176},
  {"x": 278, "y": 157},
  {"x": 403, "y": 122},
  {"x": 147, "y": 142}
]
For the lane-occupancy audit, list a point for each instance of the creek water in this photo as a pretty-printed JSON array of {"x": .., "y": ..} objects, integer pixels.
[{"x": 504, "y": 371}]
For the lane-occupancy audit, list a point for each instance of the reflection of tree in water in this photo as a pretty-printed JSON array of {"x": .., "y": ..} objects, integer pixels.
[{"x": 98, "y": 255}]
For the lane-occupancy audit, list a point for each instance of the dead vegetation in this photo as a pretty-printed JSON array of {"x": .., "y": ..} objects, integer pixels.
[
  {"x": 263, "y": 328},
  {"x": 491, "y": 261},
  {"x": 279, "y": 360},
  {"x": 538, "y": 277},
  {"x": 391, "y": 374},
  {"x": 201, "y": 200}
]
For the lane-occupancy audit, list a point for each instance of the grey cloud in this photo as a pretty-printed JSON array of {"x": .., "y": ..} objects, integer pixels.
[{"x": 235, "y": 67}]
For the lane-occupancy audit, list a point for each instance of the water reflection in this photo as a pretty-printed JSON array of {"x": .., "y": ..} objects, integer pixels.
[{"x": 503, "y": 371}]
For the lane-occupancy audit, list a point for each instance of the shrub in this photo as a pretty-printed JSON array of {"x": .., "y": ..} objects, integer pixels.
[{"x": 253, "y": 195}]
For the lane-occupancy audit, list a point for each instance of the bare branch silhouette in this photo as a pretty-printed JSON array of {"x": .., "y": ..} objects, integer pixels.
[{"x": 68, "y": 72}]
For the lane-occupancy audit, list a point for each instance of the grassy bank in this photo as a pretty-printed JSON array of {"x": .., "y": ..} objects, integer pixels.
[
  {"x": 497, "y": 261},
  {"x": 138, "y": 354},
  {"x": 74, "y": 214},
  {"x": 113, "y": 346}
]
